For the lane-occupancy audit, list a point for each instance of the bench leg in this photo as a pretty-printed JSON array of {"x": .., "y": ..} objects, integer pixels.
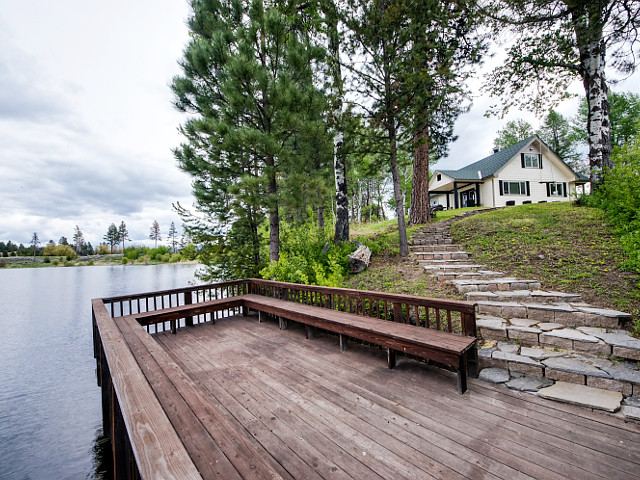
[
  {"x": 173, "y": 326},
  {"x": 462, "y": 374},
  {"x": 391, "y": 358},
  {"x": 472, "y": 362},
  {"x": 245, "y": 311},
  {"x": 259, "y": 316},
  {"x": 283, "y": 323},
  {"x": 309, "y": 332},
  {"x": 343, "y": 343}
]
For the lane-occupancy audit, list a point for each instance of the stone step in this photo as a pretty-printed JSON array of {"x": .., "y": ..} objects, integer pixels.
[
  {"x": 563, "y": 366},
  {"x": 501, "y": 284},
  {"x": 536, "y": 296},
  {"x": 563, "y": 313},
  {"x": 442, "y": 255},
  {"x": 583, "y": 396},
  {"x": 445, "y": 263},
  {"x": 533, "y": 333},
  {"x": 455, "y": 266},
  {"x": 435, "y": 248},
  {"x": 449, "y": 276},
  {"x": 427, "y": 241}
]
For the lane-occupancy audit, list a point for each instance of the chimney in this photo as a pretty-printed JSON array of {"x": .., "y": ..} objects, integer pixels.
[{"x": 496, "y": 149}]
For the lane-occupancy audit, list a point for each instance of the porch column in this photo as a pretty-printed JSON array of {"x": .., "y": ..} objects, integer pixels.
[
  {"x": 456, "y": 202},
  {"x": 478, "y": 203},
  {"x": 448, "y": 206}
]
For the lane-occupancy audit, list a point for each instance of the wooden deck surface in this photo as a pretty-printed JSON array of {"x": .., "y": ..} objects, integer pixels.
[{"x": 251, "y": 401}]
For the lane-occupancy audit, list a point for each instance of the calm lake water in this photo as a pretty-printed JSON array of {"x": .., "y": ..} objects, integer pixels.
[{"x": 50, "y": 407}]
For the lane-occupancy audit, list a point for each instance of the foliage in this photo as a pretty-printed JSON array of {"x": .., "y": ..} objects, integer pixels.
[
  {"x": 112, "y": 236},
  {"x": 189, "y": 252},
  {"x": 51, "y": 250},
  {"x": 624, "y": 116},
  {"x": 555, "y": 42},
  {"x": 619, "y": 197},
  {"x": 513, "y": 132},
  {"x": 309, "y": 256},
  {"x": 556, "y": 131}
]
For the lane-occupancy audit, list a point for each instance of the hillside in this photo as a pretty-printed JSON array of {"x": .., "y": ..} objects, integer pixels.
[{"x": 566, "y": 247}]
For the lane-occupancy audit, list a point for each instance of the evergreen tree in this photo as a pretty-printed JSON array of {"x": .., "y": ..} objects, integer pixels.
[
  {"x": 557, "y": 133},
  {"x": 173, "y": 236},
  {"x": 78, "y": 240},
  {"x": 35, "y": 241},
  {"x": 123, "y": 234},
  {"x": 154, "y": 232},
  {"x": 248, "y": 84},
  {"x": 111, "y": 237}
]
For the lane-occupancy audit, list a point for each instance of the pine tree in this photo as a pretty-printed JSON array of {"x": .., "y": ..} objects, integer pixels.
[
  {"x": 78, "y": 240},
  {"x": 248, "y": 84},
  {"x": 35, "y": 241},
  {"x": 173, "y": 236},
  {"x": 123, "y": 234},
  {"x": 154, "y": 232},
  {"x": 111, "y": 237}
]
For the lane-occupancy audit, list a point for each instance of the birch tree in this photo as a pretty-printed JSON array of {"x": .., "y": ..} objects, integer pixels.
[{"x": 558, "y": 41}]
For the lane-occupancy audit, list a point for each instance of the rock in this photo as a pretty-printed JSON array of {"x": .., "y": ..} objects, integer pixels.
[
  {"x": 574, "y": 365},
  {"x": 494, "y": 375},
  {"x": 632, "y": 401},
  {"x": 572, "y": 334},
  {"x": 512, "y": 357},
  {"x": 529, "y": 384},
  {"x": 359, "y": 260},
  {"x": 522, "y": 322},
  {"x": 508, "y": 347},
  {"x": 539, "y": 353},
  {"x": 619, "y": 339},
  {"x": 632, "y": 413},
  {"x": 583, "y": 396},
  {"x": 547, "y": 327}
]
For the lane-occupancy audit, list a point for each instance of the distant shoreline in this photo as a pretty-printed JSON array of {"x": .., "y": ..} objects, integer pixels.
[{"x": 8, "y": 263}]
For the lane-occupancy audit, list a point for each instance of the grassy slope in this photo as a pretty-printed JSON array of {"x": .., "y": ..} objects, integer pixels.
[{"x": 568, "y": 248}]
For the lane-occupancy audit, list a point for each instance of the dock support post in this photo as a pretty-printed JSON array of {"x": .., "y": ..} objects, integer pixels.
[
  {"x": 309, "y": 332},
  {"x": 282, "y": 323},
  {"x": 343, "y": 343},
  {"x": 391, "y": 357}
]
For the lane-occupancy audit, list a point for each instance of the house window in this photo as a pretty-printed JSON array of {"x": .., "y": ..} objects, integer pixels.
[
  {"x": 556, "y": 190},
  {"x": 531, "y": 160},
  {"x": 439, "y": 177},
  {"x": 514, "y": 188}
]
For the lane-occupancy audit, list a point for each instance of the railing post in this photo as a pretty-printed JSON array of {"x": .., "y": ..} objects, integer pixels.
[
  {"x": 397, "y": 312},
  {"x": 188, "y": 321},
  {"x": 469, "y": 324}
]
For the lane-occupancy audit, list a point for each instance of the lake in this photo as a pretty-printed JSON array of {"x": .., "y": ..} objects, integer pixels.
[{"x": 50, "y": 407}]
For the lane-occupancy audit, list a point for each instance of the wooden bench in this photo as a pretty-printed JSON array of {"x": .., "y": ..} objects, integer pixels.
[{"x": 456, "y": 351}]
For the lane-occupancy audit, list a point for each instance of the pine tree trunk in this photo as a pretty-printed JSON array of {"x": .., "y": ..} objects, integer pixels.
[
  {"x": 339, "y": 157},
  {"x": 274, "y": 219},
  {"x": 592, "y": 65},
  {"x": 420, "y": 212}
]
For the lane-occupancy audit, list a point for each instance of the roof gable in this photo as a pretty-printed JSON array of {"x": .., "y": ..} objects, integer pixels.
[{"x": 488, "y": 166}]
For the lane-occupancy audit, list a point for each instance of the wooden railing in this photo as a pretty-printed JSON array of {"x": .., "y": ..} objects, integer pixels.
[{"x": 446, "y": 315}]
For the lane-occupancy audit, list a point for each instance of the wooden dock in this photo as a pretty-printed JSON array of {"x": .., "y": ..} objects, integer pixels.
[{"x": 242, "y": 399}]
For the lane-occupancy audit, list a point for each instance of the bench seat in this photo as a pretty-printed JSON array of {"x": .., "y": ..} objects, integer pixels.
[{"x": 456, "y": 351}]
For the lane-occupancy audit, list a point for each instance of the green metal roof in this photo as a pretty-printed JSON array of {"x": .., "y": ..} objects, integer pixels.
[{"x": 488, "y": 165}]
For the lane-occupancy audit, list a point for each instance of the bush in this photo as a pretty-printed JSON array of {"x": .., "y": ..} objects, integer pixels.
[
  {"x": 56, "y": 262},
  {"x": 619, "y": 197},
  {"x": 309, "y": 256},
  {"x": 90, "y": 262},
  {"x": 59, "y": 251},
  {"x": 175, "y": 258},
  {"x": 125, "y": 260},
  {"x": 3, "y": 263},
  {"x": 189, "y": 252},
  {"x": 47, "y": 259},
  {"x": 165, "y": 258}
]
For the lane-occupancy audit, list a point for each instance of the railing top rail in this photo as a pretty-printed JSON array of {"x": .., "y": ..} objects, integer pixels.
[
  {"x": 135, "y": 296},
  {"x": 458, "y": 305}
]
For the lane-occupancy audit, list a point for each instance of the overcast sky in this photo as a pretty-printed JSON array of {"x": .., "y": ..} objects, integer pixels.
[{"x": 87, "y": 124}]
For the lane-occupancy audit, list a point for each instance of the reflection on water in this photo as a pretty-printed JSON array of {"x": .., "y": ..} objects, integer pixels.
[{"x": 50, "y": 404}]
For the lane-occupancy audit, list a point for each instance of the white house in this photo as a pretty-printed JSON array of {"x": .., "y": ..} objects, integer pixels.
[{"x": 527, "y": 172}]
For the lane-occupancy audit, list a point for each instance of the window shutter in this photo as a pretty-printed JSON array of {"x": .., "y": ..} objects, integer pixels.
[
  {"x": 548, "y": 189},
  {"x": 528, "y": 190},
  {"x": 540, "y": 160},
  {"x": 522, "y": 159},
  {"x": 500, "y": 186},
  {"x": 564, "y": 188}
]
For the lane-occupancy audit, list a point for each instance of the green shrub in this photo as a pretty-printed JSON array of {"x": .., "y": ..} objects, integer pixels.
[
  {"x": 90, "y": 262},
  {"x": 189, "y": 252},
  {"x": 165, "y": 258},
  {"x": 125, "y": 260},
  {"x": 56, "y": 262},
  {"x": 175, "y": 258},
  {"x": 309, "y": 256},
  {"x": 47, "y": 259},
  {"x": 3, "y": 263}
]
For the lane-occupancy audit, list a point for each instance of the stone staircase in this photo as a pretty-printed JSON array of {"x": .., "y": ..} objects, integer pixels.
[{"x": 535, "y": 340}]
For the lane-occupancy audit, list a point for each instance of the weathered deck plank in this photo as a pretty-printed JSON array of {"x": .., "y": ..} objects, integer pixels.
[{"x": 314, "y": 412}]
